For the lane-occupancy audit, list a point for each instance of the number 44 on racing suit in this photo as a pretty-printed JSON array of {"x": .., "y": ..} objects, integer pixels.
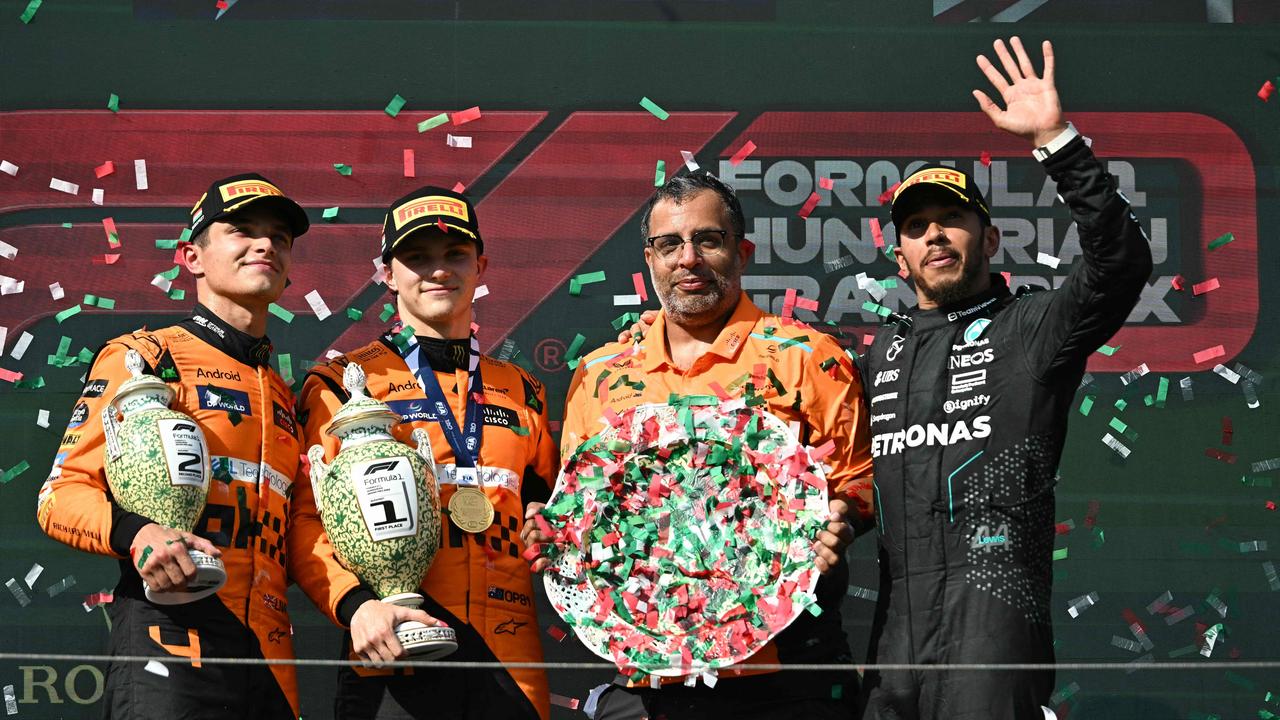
[{"x": 968, "y": 405}]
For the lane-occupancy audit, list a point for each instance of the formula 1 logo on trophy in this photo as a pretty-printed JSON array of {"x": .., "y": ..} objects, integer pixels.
[
  {"x": 157, "y": 464},
  {"x": 379, "y": 502}
]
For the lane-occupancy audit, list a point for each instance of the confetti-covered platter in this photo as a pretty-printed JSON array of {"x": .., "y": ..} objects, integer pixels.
[{"x": 684, "y": 535}]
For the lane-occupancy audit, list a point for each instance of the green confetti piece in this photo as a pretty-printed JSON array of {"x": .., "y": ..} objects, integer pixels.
[
  {"x": 1099, "y": 538},
  {"x": 387, "y": 311},
  {"x": 654, "y": 109},
  {"x": 90, "y": 300},
  {"x": 521, "y": 431},
  {"x": 660, "y": 173},
  {"x": 280, "y": 312},
  {"x": 1086, "y": 405},
  {"x": 889, "y": 283},
  {"x": 166, "y": 244},
  {"x": 1148, "y": 400},
  {"x": 14, "y": 472},
  {"x": 837, "y": 692},
  {"x": 591, "y": 277},
  {"x": 286, "y": 367},
  {"x": 1182, "y": 651},
  {"x": 402, "y": 338},
  {"x": 575, "y": 287},
  {"x": 106, "y": 303},
  {"x": 1240, "y": 680},
  {"x": 433, "y": 122},
  {"x": 1060, "y": 554},
  {"x": 354, "y": 314},
  {"x": 1221, "y": 240},
  {"x": 67, "y": 226},
  {"x": 1255, "y": 481},
  {"x": 1108, "y": 350},
  {"x": 797, "y": 340},
  {"x": 888, "y": 252},
  {"x": 624, "y": 320},
  {"x": 1162, "y": 392},
  {"x": 30, "y": 384},
  {"x": 343, "y": 169},
  {"x": 1121, "y": 404},
  {"x": 576, "y": 346},
  {"x": 1118, "y": 425},
  {"x": 69, "y": 312},
  {"x": 30, "y": 12},
  {"x": 876, "y": 308},
  {"x": 394, "y": 107},
  {"x": 172, "y": 273},
  {"x": 113, "y": 103},
  {"x": 330, "y": 214},
  {"x": 177, "y": 294},
  {"x": 85, "y": 357},
  {"x": 185, "y": 236},
  {"x": 64, "y": 345},
  {"x": 234, "y": 417}
]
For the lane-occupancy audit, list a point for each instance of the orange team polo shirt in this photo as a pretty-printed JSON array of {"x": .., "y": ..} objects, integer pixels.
[{"x": 810, "y": 382}]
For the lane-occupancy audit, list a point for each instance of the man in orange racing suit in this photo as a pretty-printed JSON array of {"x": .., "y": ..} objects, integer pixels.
[
  {"x": 488, "y": 427},
  {"x": 710, "y": 338},
  {"x": 257, "y": 519}
]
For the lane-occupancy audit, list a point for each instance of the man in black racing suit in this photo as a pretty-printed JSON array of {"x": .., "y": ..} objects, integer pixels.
[{"x": 968, "y": 398}]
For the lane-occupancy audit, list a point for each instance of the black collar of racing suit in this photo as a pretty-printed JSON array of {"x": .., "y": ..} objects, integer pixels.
[
  {"x": 442, "y": 355},
  {"x": 971, "y": 307},
  {"x": 239, "y": 345}
]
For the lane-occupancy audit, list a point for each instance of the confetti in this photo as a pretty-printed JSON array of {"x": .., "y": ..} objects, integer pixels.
[
  {"x": 387, "y": 311},
  {"x": 1221, "y": 240},
  {"x": 809, "y": 205},
  {"x": 33, "y": 574},
  {"x": 1116, "y": 445},
  {"x": 1253, "y": 546},
  {"x": 330, "y": 214},
  {"x": 861, "y": 593},
  {"x": 408, "y": 163},
  {"x": 69, "y": 312},
  {"x": 11, "y": 286},
  {"x": 1177, "y": 282},
  {"x": 660, "y": 173},
  {"x": 11, "y": 699},
  {"x": 1047, "y": 259},
  {"x": 24, "y": 342},
  {"x": 1179, "y": 615},
  {"x": 1273, "y": 578},
  {"x": 886, "y": 197},
  {"x": 1264, "y": 93},
  {"x": 42, "y": 418},
  {"x": 1209, "y": 285},
  {"x": 562, "y": 701},
  {"x": 1227, "y": 373},
  {"x": 626, "y": 300},
  {"x": 742, "y": 153},
  {"x": 394, "y": 106},
  {"x": 104, "y": 169},
  {"x": 1160, "y": 603},
  {"x": 317, "y": 304},
  {"x": 1060, "y": 554},
  {"x": 113, "y": 103},
  {"x": 354, "y": 314},
  {"x": 140, "y": 174},
  {"x": 18, "y": 593},
  {"x": 481, "y": 291},
  {"x": 56, "y": 291},
  {"x": 458, "y": 141},
  {"x": 433, "y": 122},
  {"x": 985, "y": 158},
  {"x": 69, "y": 188},
  {"x": 877, "y": 233},
  {"x": 689, "y": 162},
  {"x": 1082, "y": 603},
  {"x": 1134, "y": 374},
  {"x": 463, "y": 117},
  {"x": 459, "y": 187},
  {"x": 1107, "y": 350},
  {"x": 109, "y": 227},
  {"x": 97, "y": 196},
  {"x": 1126, "y": 644},
  {"x": 10, "y": 376},
  {"x": 1208, "y": 354},
  {"x": 654, "y": 109},
  {"x": 8, "y": 168},
  {"x": 28, "y": 14},
  {"x": 280, "y": 312},
  {"x": 343, "y": 169},
  {"x": 156, "y": 667}
]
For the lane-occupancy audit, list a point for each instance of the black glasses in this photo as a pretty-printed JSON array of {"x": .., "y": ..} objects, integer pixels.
[{"x": 705, "y": 242}]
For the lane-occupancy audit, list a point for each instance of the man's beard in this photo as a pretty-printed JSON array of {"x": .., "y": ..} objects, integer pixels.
[
  {"x": 685, "y": 307},
  {"x": 951, "y": 291}
]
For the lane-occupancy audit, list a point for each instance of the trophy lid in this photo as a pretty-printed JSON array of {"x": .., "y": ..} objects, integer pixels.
[
  {"x": 140, "y": 382},
  {"x": 359, "y": 408}
]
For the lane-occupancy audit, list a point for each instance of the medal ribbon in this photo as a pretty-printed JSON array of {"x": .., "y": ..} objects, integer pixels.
[{"x": 465, "y": 441}]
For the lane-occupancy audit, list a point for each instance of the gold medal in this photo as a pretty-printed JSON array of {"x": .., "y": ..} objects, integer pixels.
[{"x": 470, "y": 510}]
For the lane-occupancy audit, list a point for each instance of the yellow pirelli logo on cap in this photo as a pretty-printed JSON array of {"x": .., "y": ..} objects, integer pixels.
[
  {"x": 243, "y": 188},
  {"x": 430, "y": 205},
  {"x": 932, "y": 175}
]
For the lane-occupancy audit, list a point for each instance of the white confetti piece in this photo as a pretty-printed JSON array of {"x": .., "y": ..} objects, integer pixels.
[
  {"x": 862, "y": 593},
  {"x": 55, "y": 289},
  {"x": 69, "y": 188},
  {"x": 481, "y": 291},
  {"x": 140, "y": 173},
  {"x": 1273, "y": 578},
  {"x": 689, "y": 162},
  {"x": 1180, "y": 615},
  {"x": 1227, "y": 373},
  {"x": 20, "y": 347},
  {"x": 97, "y": 196},
  {"x": 1047, "y": 259},
  {"x": 1126, "y": 644},
  {"x": 1210, "y": 639},
  {"x": 11, "y": 286},
  {"x": 332, "y": 354},
  {"x": 1134, "y": 374},
  {"x": 626, "y": 300},
  {"x": 7, "y": 251},
  {"x": 18, "y": 593},
  {"x": 1160, "y": 603},
  {"x": 10, "y": 701},
  {"x": 1138, "y": 661},
  {"x": 4, "y": 333},
  {"x": 33, "y": 573},
  {"x": 873, "y": 287},
  {"x": 1187, "y": 394},
  {"x": 838, "y": 264},
  {"x": 63, "y": 584},
  {"x": 1253, "y": 546},
  {"x": 162, "y": 282},
  {"x": 458, "y": 141},
  {"x": 1116, "y": 445},
  {"x": 317, "y": 305},
  {"x": 1250, "y": 395},
  {"x": 42, "y": 419},
  {"x": 8, "y": 168},
  {"x": 156, "y": 668},
  {"x": 1265, "y": 465},
  {"x": 1082, "y": 603}
]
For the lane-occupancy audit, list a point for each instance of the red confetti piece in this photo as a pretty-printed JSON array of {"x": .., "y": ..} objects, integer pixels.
[
  {"x": 809, "y": 204},
  {"x": 807, "y": 304},
  {"x": 1208, "y": 354},
  {"x": 637, "y": 280},
  {"x": 104, "y": 169},
  {"x": 1091, "y": 515},
  {"x": 1177, "y": 282},
  {"x": 1266, "y": 91},
  {"x": 408, "y": 162},
  {"x": 107, "y": 259},
  {"x": 903, "y": 273},
  {"x": 877, "y": 233},
  {"x": 557, "y": 633},
  {"x": 826, "y": 183},
  {"x": 1227, "y": 431},
  {"x": 440, "y": 224},
  {"x": 1201, "y": 288},
  {"x": 10, "y": 376},
  {"x": 886, "y": 197},
  {"x": 742, "y": 153},
  {"x": 221, "y": 5},
  {"x": 789, "y": 303},
  {"x": 867, "y": 339},
  {"x": 1271, "y": 504},
  {"x": 986, "y": 158},
  {"x": 1217, "y": 454},
  {"x": 459, "y": 187},
  {"x": 1061, "y": 528},
  {"x": 823, "y": 450},
  {"x": 533, "y": 552},
  {"x": 719, "y": 391},
  {"x": 113, "y": 237},
  {"x": 463, "y": 117},
  {"x": 1008, "y": 277}
]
